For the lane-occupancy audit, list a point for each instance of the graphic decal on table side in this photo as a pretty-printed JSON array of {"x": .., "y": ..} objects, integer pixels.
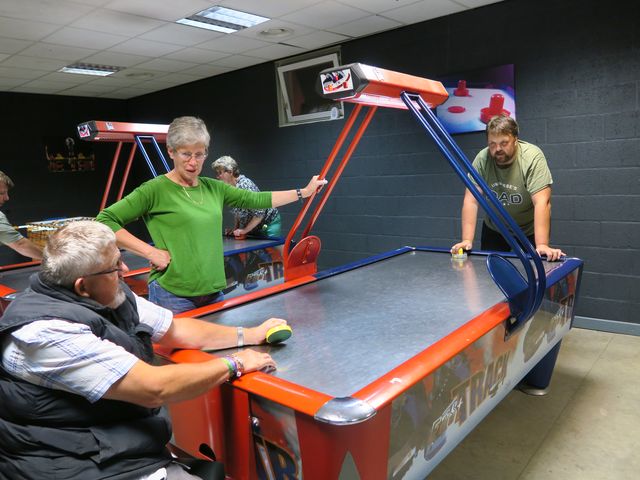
[
  {"x": 435, "y": 414},
  {"x": 275, "y": 439},
  {"x": 554, "y": 315},
  {"x": 424, "y": 415}
]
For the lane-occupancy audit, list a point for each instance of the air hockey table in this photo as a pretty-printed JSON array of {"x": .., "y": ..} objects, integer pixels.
[
  {"x": 392, "y": 362},
  {"x": 250, "y": 264},
  {"x": 393, "y": 359}
]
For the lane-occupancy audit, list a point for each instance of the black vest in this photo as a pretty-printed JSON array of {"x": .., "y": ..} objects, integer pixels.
[{"x": 52, "y": 434}]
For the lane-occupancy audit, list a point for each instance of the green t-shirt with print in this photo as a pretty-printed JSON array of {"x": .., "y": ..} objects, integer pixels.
[
  {"x": 513, "y": 186},
  {"x": 187, "y": 222}
]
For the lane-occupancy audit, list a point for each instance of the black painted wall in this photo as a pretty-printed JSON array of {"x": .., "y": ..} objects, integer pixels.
[
  {"x": 577, "y": 69},
  {"x": 25, "y": 122}
]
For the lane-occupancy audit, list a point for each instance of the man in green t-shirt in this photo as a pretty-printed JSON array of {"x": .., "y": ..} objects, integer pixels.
[
  {"x": 9, "y": 236},
  {"x": 517, "y": 173}
]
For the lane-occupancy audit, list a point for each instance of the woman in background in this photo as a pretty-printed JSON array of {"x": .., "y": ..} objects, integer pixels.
[{"x": 257, "y": 222}]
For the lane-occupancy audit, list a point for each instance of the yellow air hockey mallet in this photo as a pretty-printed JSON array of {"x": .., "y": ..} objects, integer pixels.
[
  {"x": 459, "y": 255},
  {"x": 278, "y": 333}
]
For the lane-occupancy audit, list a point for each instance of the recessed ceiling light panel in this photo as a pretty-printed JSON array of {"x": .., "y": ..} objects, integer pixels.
[
  {"x": 90, "y": 69},
  {"x": 222, "y": 19}
]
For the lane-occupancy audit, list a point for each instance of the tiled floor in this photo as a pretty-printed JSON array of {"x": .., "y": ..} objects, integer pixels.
[{"x": 586, "y": 428}]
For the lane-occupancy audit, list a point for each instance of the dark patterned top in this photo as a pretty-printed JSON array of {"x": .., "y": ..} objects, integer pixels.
[{"x": 244, "y": 216}]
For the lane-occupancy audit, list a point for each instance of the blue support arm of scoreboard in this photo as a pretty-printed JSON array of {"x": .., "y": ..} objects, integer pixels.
[
  {"x": 524, "y": 296},
  {"x": 151, "y": 138}
]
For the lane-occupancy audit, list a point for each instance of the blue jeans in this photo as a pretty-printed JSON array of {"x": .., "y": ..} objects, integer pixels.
[{"x": 176, "y": 304}]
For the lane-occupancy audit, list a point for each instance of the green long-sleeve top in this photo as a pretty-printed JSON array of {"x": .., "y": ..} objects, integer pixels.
[{"x": 187, "y": 222}]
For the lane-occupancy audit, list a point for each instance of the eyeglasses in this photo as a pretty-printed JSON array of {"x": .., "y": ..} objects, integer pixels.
[
  {"x": 189, "y": 155},
  {"x": 119, "y": 268}
]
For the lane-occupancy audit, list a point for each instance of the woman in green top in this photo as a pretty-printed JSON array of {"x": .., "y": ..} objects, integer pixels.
[{"x": 183, "y": 213}]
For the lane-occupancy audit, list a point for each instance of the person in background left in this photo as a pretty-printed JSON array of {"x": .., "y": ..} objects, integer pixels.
[
  {"x": 260, "y": 223},
  {"x": 9, "y": 236},
  {"x": 183, "y": 213}
]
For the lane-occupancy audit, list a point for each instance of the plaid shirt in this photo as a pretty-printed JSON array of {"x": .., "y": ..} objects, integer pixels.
[
  {"x": 67, "y": 356},
  {"x": 244, "y": 216}
]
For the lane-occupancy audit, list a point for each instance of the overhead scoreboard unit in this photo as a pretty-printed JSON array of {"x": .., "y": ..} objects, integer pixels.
[
  {"x": 359, "y": 83},
  {"x": 101, "y": 131},
  {"x": 136, "y": 134}
]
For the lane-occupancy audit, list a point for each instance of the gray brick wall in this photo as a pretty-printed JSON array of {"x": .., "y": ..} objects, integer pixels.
[{"x": 577, "y": 66}]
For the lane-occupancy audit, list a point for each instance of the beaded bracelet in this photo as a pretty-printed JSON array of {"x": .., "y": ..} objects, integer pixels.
[
  {"x": 239, "y": 364},
  {"x": 232, "y": 366}
]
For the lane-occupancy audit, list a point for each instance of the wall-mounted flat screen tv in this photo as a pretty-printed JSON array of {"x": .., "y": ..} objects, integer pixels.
[{"x": 298, "y": 100}]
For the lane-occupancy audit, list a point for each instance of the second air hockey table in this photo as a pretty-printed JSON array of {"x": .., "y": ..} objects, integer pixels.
[
  {"x": 250, "y": 264},
  {"x": 392, "y": 362}
]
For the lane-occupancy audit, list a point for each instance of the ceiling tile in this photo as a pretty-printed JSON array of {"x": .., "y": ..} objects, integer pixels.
[
  {"x": 155, "y": 84},
  {"x": 174, "y": 79},
  {"x": 44, "y": 83},
  {"x": 317, "y": 39},
  {"x": 275, "y": 51},
  {"x": 207, "y": 70},
  {"x": 137, "y": 75},
  {"x": 117, "y": 59},
  {"x": 95, "y": 3},
  {"x": 180, "y": 34},
  {"x": 25, "y": 30},
  {"x": 162, "y": 10},
  {"x": 166, "y": 65},
  {"x": 137, "y": 46},
  {"x": 233, "y": 43},
  {"x": 12, "y": 45},
  {"x": 90, "y": 88},
  {"x": 34, "y": 63},
  {"x": 114, "y": 82},
  {"x": 68, "y": 78},
  {"x": 377, "y": 6},
  {"x": 423, "y": 10},
  {"x": 77, "y": 92},
  {"x": 79, "y": 37},
  {"x": 270, "y": 9},
  {"x": 366, "y": 26},
  {"x": 117, "y": 23},
  {"x": 60, "y": 52},
  {"x": 42, "y": 89},
  {"x": 325, "y": 15},
  {"x": 126, "y": 92},
  {"x": 59, "y": 12},
  {"x": 8, "y": 83},
  {"x": 120, "y": 95},
  {"x": 22, "y": 73},
  {"x": 238, "y": 61},
  {"x": 196, "y": 55},
  {"x": 476, "y": 3}
]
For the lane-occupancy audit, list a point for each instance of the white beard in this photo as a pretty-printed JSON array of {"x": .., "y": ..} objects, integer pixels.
[{"x": 118, "y": 300}]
